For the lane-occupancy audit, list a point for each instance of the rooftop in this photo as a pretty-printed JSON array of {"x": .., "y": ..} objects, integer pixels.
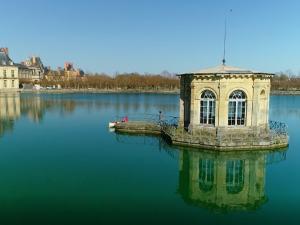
[
  {"x": 224, "y": 69},
  {"x": 5, "y": 60}
]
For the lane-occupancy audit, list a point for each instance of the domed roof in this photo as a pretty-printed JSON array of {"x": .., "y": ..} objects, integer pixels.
[{"x": 223, "y": 69}]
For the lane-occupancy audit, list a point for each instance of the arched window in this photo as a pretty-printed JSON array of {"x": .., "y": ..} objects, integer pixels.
[
  {"x": 237, "y": 108},
  {"x": 234, "y": 176},
  {"x": 207, "y": 107},
  {"x": 206, "y": 174}
]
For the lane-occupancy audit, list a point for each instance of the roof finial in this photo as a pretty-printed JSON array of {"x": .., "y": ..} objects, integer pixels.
[{"x": 225, "y": 35}]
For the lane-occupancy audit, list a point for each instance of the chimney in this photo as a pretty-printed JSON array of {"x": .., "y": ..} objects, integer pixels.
[
  {"x": 68, "y": 66},
  {"x": 33, "y": 60}
]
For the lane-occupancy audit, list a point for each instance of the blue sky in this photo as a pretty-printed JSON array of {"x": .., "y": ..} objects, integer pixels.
[{"x": 151, "y": 36}]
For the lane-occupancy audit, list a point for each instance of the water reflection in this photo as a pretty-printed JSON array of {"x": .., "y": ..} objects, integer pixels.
[
  {"x": 225, "y": 181},
  {"x": 146, "y": 140},
  {"x": 220, "y": 181},
  {"x": 285, "y": 106},
  {"x": 34, "y": 106},
  {"x": 57, "y": 171},
  {"x": 9, "y": 111}
]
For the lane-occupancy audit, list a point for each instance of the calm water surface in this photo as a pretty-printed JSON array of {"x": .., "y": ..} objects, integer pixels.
[{"x": 59, "y": 164}]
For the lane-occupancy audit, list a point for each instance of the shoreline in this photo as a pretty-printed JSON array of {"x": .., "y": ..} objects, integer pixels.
[
  {"x": 288, "y": 92},
  {"x": 100, "y": 91},
  {"x": 129, "y": 91}
]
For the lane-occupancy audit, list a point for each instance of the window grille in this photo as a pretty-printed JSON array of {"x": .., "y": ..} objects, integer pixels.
[
  {"x": 237, "y": 108},
  {"x": 207, "y": 107}
]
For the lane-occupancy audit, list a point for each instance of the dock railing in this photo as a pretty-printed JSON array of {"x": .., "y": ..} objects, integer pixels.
[
  {"x": 278, "y": 128},
  {"x": 153, "y": 118},
  {"x": 169, "y": 125},
  {"x": 277, "y": 135}
]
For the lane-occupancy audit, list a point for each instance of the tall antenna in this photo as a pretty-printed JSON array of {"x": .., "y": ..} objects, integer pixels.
[{"x": 225, "y": 36}]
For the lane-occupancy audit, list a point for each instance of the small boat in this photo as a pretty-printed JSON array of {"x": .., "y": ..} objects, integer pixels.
[
  {"x": 112, "y": 124},
  {"x": 111, "y": 130}
]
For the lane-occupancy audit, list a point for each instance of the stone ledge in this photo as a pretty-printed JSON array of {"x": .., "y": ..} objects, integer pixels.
[
  {"x": 227, "y": 139},
  {"x": 212, "y": 138},
  {"x": 138, "y": 127}
]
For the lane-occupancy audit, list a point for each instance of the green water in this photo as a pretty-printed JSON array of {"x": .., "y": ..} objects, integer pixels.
[{"x": 59, "y": 164}]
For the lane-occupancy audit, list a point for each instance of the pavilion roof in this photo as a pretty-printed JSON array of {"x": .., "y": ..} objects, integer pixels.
[{"x": 224, "y": 69}]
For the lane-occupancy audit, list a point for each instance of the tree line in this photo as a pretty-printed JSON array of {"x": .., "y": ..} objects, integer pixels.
[
  {"x": 126, "y": 81},
  {"x": 285, "y": 81},
  {"x": 134, "y": 81}
]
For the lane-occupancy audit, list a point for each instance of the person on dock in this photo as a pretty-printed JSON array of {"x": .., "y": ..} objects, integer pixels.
[
  {"x": 125, "y": 119},
  {"x": 160, "y": 117}
]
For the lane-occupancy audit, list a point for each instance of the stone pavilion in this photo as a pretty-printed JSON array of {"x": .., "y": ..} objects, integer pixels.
[{"x": 226, "y": 107}]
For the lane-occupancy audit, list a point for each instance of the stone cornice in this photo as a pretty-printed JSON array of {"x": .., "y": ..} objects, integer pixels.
[{"x": 229, "y": 75}]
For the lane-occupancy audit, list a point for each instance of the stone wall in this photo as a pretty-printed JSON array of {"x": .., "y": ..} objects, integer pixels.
[
  {"x": 185, "y": 101},
  {"x": 9, "y": 78},
  {"x": 256, "y": 88},
  {"x": 219, "y": 138},
  {"x": 226, "y": 138}
]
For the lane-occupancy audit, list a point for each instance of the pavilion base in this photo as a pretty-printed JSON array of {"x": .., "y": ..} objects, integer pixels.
[
  {"x": 214, "y": 138},
  {"x": 225, "y": 139}
]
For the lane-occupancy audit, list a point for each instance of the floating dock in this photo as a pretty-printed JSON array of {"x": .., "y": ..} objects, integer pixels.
[{"x": 138, "y": 127}]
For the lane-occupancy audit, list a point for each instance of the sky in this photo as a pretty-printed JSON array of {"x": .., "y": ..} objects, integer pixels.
[{"x": 116, "y": 36}]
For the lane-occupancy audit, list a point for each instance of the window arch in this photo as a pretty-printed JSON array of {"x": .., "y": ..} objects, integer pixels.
[
  {"x": 206, "y": 174},
  {"x": 234, "y": 176},
  {"x": 207, "y": 107},
  {"x": 237, "y": 108}
]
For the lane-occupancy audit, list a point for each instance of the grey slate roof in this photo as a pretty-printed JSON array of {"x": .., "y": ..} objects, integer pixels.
[
  {"x": 21, "y": 66},
  {"x": 5, "y": 60}
]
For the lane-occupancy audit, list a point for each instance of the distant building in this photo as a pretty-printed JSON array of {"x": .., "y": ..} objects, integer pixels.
[
  {"x": 32, "y": 69},
  {"x": 8, "y": 71},
  {"x": 68, "y": 66},
  {"x": 70, "y": 72}
]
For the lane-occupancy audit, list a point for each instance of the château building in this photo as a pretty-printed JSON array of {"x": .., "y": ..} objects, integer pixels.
[
  {"x": 32, "y": 69},
  {"x": 70, "y": 72},
  {"x": 9, "y": 79}
]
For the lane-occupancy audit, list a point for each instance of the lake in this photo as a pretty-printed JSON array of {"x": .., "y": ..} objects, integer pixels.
[{"x": 60, "y": 164}]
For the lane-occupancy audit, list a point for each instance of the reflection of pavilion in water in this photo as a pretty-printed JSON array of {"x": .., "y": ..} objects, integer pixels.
[
  {"x": 220, "y": 181},
  {"x": 9, "y": 110},
  {"x": 225, "y": 181}
]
